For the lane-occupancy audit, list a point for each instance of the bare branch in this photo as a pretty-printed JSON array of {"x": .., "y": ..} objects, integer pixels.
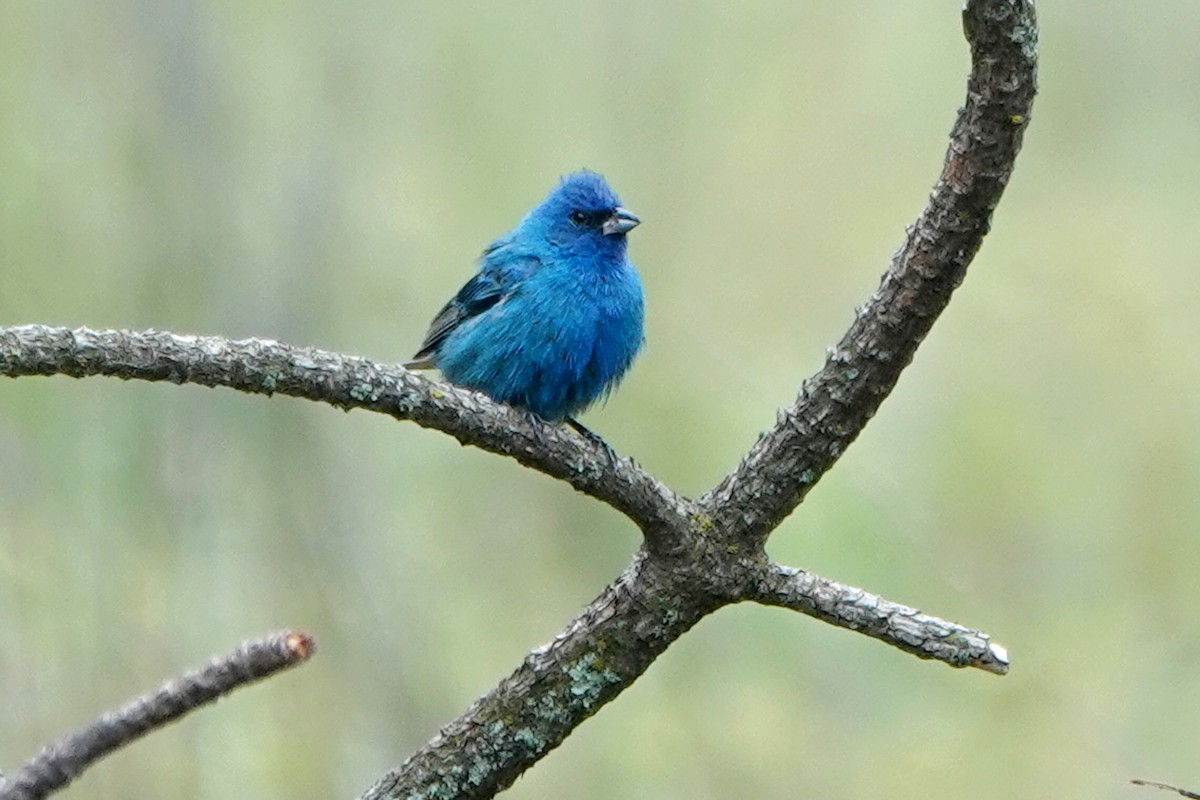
[
  {"x": 1167, "y": 786},
  {"x": 607, "y": 647},
  {"x": 603, "y": 651},
  {"x": 900, "y": 626},
  {"x": 697, "y": 556},
  {"x": 262, "y": 366},
  {"x": 481, "y": 753},
  {"x": 835, "y": 404},
  {"x": 60, "y": 763}
]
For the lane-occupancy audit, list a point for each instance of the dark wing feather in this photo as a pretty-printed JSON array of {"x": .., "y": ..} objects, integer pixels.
[{"x": 490, "y": 285}]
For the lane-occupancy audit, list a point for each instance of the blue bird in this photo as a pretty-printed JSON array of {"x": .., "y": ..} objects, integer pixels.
[{"x": 553, "y": 319}]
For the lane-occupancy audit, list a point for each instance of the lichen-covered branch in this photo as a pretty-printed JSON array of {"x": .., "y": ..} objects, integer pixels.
[
  {"x": 603, "y": 651},
  {"x": 900, "y": 626},
  {"x": 698, "y": 556},
  {"x": 60, "y": 763},
  {"x": 607, "y": 647},
  {"x": 835, "y": 404},
  {"x": 263, "y": 366}
]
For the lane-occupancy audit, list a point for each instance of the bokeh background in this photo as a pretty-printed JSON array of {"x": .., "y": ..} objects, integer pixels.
[{"x": 325, "y": 174}]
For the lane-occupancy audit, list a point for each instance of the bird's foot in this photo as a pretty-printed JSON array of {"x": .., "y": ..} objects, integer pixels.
[
  {"x": 594, "y": 438},
  {"x": 536, "y": 422}
]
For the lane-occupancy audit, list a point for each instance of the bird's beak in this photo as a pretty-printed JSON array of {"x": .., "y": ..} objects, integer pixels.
[{"x": 622, "y": 221}]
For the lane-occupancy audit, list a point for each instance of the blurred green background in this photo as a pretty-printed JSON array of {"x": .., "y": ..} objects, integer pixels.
[{"x": 325, "y": 174}]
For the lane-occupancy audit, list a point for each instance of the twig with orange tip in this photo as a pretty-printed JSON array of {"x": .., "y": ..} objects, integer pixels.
[{"x": 60, "y": 763}]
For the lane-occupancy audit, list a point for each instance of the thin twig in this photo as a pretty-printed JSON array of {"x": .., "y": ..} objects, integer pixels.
[
  {"x": 1167, "y": 786},
  {"x": 60, "y": 763}
]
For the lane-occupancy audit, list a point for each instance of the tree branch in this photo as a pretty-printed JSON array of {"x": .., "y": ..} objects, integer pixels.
[
  {"x": 263, "y": 366},
  {"x": 1167, "y": 786},
  {"x": 698, "y": 556},
  {"x": 60, "y": 763},
  {"x": 835, "y": 404},
  {"x": 900, "y": 626},
  {"x": 559, "y": 685},
  {"x": 616, "y": 638},
  {"x": 729, "y": 526}
]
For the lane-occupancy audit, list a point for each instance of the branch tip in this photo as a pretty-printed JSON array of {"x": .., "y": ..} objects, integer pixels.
[
  {"x": 300, "y": 645},
  {"x": 664, "y": 591},
  {"x": 1167, "y": 786},
  {"x": 60, "y": 763}
]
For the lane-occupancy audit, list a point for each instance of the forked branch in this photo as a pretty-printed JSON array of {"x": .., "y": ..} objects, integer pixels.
[{"x": 698, "y": 555}]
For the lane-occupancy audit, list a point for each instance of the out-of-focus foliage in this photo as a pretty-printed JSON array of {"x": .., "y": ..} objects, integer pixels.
[{"x": 325, "y": 173}]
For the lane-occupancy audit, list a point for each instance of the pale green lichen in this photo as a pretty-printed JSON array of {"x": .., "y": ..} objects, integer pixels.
[
  {"x": 551, "y": 713},
  {"x": 365, "y": 392},
  {"x": 481, "y": 770},
  {"x": 529, "y": 740},
  {"x": 589, "y": 679},
  {"x": 1025, "y": 34}
]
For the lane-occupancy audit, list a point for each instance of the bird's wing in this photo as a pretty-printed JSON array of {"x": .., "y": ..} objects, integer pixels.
[{"x": 496, "y": 279}]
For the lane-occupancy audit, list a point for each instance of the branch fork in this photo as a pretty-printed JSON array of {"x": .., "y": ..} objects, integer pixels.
[{"x": 698, "y": 555}]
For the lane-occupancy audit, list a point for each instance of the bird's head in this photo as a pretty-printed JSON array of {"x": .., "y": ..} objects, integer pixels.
[{"x": 583, "y": 216}]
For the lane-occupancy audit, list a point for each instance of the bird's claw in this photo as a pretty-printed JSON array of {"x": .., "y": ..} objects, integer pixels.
[{"x": 595, "y": 439}]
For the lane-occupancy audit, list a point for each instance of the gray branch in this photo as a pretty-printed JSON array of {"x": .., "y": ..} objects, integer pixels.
[
  {"x": 698, "y": 556},
  {"x": 835, "y": 404},
  {"x": 558, "y": 686},
  {"x": 263, "y": 366},
  {"x": 616, "y": 638},
  {"x": 1167, "y": 786},
  {"x": 900, "y": 626},
  {"x": 60, "y": 763}
]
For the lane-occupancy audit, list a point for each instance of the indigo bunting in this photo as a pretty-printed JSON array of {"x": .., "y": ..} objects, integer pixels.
[{"x": 553, "y": 318}]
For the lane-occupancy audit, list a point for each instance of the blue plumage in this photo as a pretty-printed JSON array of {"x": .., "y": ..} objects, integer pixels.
[{"x": 554, "y": 316}]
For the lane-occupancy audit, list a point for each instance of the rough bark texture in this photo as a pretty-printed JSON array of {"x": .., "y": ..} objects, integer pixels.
[
  {"x": 60, "y": 763},
  {"x": 835, "y": 404},
  {"x": 900, "y": 626},
  {"x": 698, "y": 555},
  {"x": 263, "y": 366},
  {"x": 558, "y": 686}
]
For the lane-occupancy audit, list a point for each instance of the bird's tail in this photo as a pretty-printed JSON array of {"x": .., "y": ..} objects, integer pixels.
[{"x": 422, "y": 363}]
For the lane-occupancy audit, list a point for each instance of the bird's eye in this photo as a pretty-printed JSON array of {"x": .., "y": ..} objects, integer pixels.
[{"x": 579, "y": 217}]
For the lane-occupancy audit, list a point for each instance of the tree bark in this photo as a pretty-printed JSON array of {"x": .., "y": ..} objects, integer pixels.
[{"x": 697, "y": 555}]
